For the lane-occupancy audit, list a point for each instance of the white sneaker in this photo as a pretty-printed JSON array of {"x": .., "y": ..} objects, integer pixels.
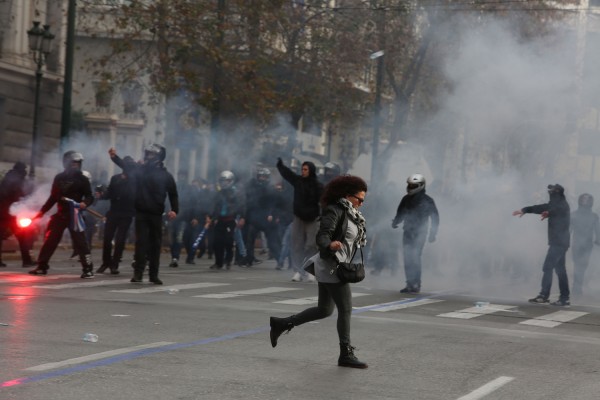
[
  {"x": 297, "y": 277},
  {"x": 311, "y": 278}
]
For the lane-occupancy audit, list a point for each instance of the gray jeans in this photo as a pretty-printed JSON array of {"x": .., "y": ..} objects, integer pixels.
[
  {"x": 304, "y": 242},
  {"x": 330, "y": 294}
]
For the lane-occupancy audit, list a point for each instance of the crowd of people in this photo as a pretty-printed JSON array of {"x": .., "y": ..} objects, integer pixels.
[{"x": 300, "y": 220}]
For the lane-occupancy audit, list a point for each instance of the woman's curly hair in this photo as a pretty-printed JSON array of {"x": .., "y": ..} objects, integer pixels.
[{"x": 342, "y": 186}]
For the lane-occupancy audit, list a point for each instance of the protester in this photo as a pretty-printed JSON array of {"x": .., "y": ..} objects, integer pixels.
[
  {"x": 307, "y": 192},
  {"x": 261, "y": 208},
  {"x": 153, "y": 183},
  {"x": 121, "y": 193},
  {"x": 13, "y": 187},
  {"x": 585, "y": 226},
  {"x": 415, "y": 210},
  {"x": 558, "y": 213},
  {"x": 72, "y": 193},
  {"x": 228, "y": 215},
  {"x": 341, "y": 232}
]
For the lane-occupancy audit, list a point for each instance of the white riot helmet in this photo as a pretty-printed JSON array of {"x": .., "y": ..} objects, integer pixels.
[
  {"x": 414, "y": 184},
  {"x": 72, "y": 161},
  {"x": 226, "y": 179}
]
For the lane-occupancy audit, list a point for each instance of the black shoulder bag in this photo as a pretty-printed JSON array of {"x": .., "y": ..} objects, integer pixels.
[{"x": 348, "y": 272}]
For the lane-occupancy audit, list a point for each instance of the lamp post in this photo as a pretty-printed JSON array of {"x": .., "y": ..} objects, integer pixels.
[
  {"x": 378, "y": 55},
  {"x": 40, "y": 44}
]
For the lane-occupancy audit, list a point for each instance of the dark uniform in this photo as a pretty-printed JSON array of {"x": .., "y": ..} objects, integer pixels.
[
  {"x": 585, "y": 225},
  {"x": 12, "y": 188},
  {"x": 261, "y": 209},
  {"x": 69, "y": 184},
  {"x": 152, "y": 185},
  {"x": 229, "y": 209},
  {"x": 415, "y": 210},
  {"x": 121, "y": 193},
  {"x": 559, "y": 216}
]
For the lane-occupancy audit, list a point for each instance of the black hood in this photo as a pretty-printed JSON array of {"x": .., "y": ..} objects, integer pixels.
[{"x": 311, "y": 169}]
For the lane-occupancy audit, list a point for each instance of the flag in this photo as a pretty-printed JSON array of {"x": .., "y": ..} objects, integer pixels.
[
  {"x": 199, "y": 239},
  {"x": 76, "y": 222}
]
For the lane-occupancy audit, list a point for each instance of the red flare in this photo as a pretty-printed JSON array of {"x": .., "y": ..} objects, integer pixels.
[{"x": 24, "y": 222}]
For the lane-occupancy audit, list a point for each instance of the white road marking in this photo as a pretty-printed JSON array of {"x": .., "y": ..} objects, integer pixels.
[
  {"x": 86, "y": 283},
  {"x": 154, "y": 288},
  {"x": 487, "y": 388},
  {"x": 384, "y": 307},
  {"x": 473, "y": 312},
  {"x": 311, "y": 300},
  {"x": 239, "y": 293},
  {"x": 554, "y": 319},
  {"x": 97, "y": 356}
]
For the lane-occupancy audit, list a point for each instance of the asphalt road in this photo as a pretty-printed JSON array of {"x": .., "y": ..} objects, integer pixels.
[{"x": 204, "y": 335}]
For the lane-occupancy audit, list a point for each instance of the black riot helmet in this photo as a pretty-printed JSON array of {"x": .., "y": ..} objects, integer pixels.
[
  {"x": 72, "y": 161},
  {"x": 154, "y": 154}
]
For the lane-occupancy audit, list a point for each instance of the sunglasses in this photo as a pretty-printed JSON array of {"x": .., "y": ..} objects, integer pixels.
[{"x": 360, "y": 201}]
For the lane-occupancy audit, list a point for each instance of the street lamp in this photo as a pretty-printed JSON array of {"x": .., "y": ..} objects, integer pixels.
[
  {"x": 40, "y": 43},
  {"x": 378, "y": 55}
]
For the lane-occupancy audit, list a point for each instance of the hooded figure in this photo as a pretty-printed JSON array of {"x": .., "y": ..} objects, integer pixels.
[
  {"x": 307, "y": 195},
  {"x": 558, "y": 213},
  {"x": 585, "y": 226}
]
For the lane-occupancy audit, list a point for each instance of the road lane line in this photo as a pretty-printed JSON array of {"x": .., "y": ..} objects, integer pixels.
[
  {"x": 97, "y": 356},
  {"x": 473, "y": 312},
  {"x": 487, "y": 388},
  {"x": 311, "y": 300},
  {"x": 239, "y": 293},
  {"x": 127, "y": 357},
  {"x": 154, "y": 288},
  {"x": 554, "y": 319},
  {"x": 82, "y": 284}
]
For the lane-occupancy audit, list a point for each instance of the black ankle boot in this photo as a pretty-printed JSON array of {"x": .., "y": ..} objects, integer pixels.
[
  {"x": 348, "y": 359},
  {"x": 278, "y": 326}
]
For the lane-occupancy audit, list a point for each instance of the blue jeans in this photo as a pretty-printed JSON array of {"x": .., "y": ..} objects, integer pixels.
[
  {"x": 555, "y": 261},
  {"x": 177, "y": 229},
  {"x": 413, "y": 243},
  {"x": 285, "y": 245}
]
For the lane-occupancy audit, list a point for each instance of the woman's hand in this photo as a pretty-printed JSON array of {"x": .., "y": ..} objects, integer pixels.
[{"x": 335, "y": 245}]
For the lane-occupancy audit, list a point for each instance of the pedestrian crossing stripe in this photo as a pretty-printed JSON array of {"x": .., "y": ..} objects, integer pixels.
[
  {"x": 473, "y": 312},
  {"x": 385, "y": 307},
  {"x": 155, "y": 289},
  {"x": 312, "y": 300},
  {"x": 554, "y": 319},
  {"x": 239, "y": 293}
]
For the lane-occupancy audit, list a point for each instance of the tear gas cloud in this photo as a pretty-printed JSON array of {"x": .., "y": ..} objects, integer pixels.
[{"x": 501, "y": 135}]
